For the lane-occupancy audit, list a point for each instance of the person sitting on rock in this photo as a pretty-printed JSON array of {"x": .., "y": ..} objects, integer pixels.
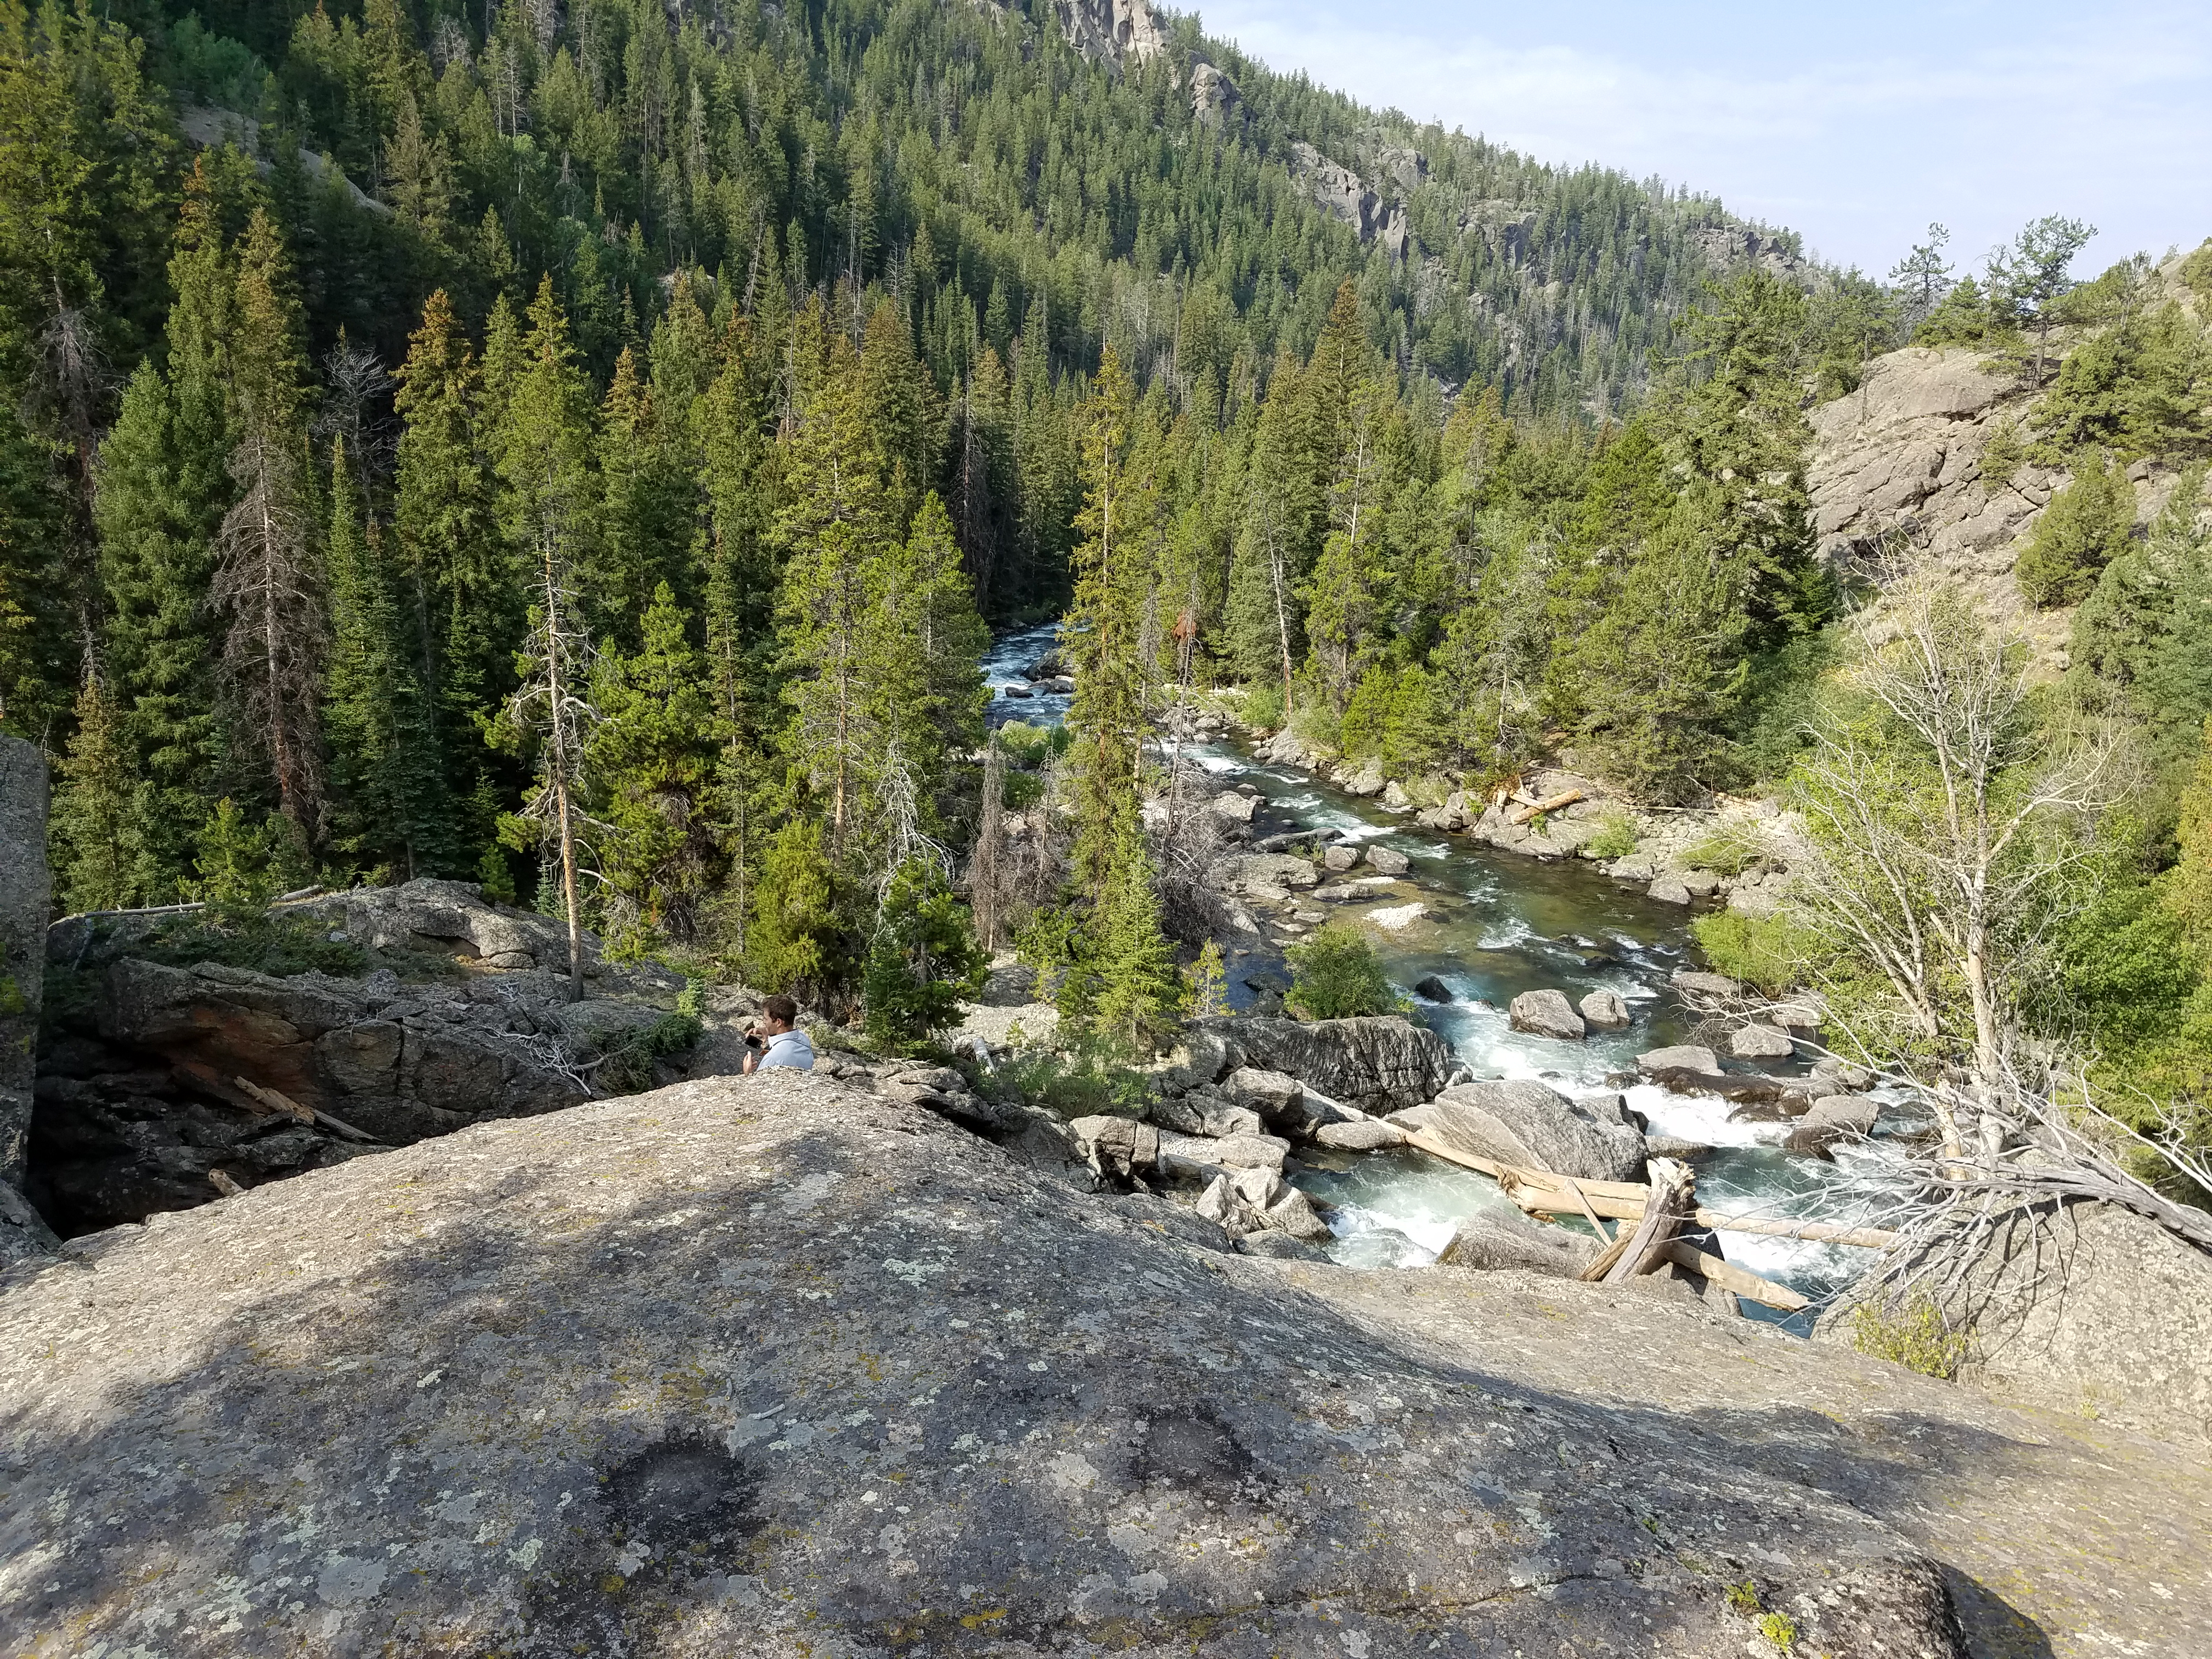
[{"x": 777, "y": 1042}]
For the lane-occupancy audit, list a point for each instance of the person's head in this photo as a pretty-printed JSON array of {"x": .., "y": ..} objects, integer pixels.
[{"x": 779, "y": 1013}]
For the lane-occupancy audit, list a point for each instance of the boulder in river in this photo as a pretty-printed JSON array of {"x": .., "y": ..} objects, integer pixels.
[
  {"x": 1388, "y": 861},
  {"x": 1605, "y": 1011},
  {"x": 1493, "y": 1241},
  {"x": 1367, "y": 780},
  {"x": 1545, "y": 1013},
  {"x": 1697, "y": 985},
  {"x": 1233, "y": 808},
  {"x": 1668, "y": 889},
  {"x": 1830, "y": 1120},
  {"x": 1365, "y": 1134},
  {"x": 1759, "y": 1041},
  {"x": 1340, "y": 858},
  {"x": 1431, "y": 988},
  {"x": 1397, "y": 917},
  {"x": 1692, "y": 1069},
  {"x": 1524, "y": 1123},
  {"x": 1376, "y": 1063},
  {"x": 383, "y": 1408}
]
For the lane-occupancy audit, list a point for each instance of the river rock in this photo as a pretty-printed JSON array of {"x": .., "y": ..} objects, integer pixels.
[
  {"x": 1396, "y": 918},
  {"x": 1118, "y": 1148},
  {"x": 1605, "y": 1011},
  {"x": 1388, "y": 861},
  {"x": 1394, "y": 798},
  {"x": 1365, "y": 781},
  {"x": 1204, "y": 1053},
  {"x": 1545, "y": 1013},
  {"x": 1250, "y": 1152},
  {"x": 1524, "y": 1123},
  {"x": 1669, "y": 890},
  {"x": 1223, "y": 1118},
  {"x": 1691, "y": 1069},
  {"x": 1018, "y": 693},
  {"x": 1292, "y": 1212},
  {"x": 25, "y": 901},
  {"x": 1267, "y": 1093},
  {"x": 1800, "y": 1016},
  {"x": 1366, "y": 1134},
  {"x": 1261, "y": 875},
  {"x": 1429, "y": 988},
  {"x": 1695, "y": 984},
  {"x": 1830, "y": 1119},
  {"x": 1234, "y": 808},
  {"x": 1340, "y": 858},
  {"x": 1490, "y": 1242},
  {"x": 1759, "y": 1041},
  {"x": 1375, "y": 1064},
  {"x": 635, "y": 1378}
]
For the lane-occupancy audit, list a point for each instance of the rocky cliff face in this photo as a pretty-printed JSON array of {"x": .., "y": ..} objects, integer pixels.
[
  {"x": 161, "y": 1086},
  {"x": 776, "y": 1367},
  {"x": 1898, "y": 482}
]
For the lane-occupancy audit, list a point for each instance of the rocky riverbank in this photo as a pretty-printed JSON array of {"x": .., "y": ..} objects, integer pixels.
[{"x": 782, "y": 1366}]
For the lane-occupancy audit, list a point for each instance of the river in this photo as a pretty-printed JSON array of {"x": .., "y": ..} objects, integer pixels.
[{"x": 1499, "y": 924}]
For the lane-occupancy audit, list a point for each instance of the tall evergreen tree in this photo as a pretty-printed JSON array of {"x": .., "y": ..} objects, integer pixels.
[
  {"x": 543, "y": 466},
  {"x": 389, "y": 809},
  {"x": 268, "y": 581}
]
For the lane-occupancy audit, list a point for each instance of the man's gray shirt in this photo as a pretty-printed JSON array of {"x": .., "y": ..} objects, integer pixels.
[{"x": 792, "y": 1050}]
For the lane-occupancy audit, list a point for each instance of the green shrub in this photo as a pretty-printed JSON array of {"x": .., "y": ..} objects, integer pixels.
[
  {"x": 1263, "y": 706},
  {"x": 1093, "y": 1076},
  {"x": 1616, "y": 837},
  {"x": 1780, "y": 1629},
  {"x": 1336, "y": 974},
  {"x": 626, "y": 1064},
  {"x": 1728, "y": 848},
  {"x": 1772, "y": 953},
  {"x": 2085, "y": 524},
  {"x": 1744, "y": 1597},
  {"x": 1030, "y": 746},
  {"x": 1916, "y": 1335}
]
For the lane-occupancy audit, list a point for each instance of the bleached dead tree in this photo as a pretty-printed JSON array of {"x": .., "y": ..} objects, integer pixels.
[
  {"x": 267, "y": 583},
  {"x": 1942, "y": 816},
  {"x": 553, "y": 704}
]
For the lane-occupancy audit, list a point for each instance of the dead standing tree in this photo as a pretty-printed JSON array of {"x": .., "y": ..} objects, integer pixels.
[{"x": 1942, "y": 816}]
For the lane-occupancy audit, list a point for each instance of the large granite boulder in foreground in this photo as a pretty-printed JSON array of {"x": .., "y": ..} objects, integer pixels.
[{"x": 774, "y": 1367}]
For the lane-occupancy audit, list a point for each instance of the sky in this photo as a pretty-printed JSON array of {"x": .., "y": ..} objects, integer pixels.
[{"x": 1857, "y": 125}]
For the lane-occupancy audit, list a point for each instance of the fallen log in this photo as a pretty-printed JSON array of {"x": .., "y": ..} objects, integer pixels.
[
  {"x": 1719, "y": 1271},
  {"x": 278, "y": 1100},
  {"x": 1534, "y": 809},
  {"x": 1548, "y": 1201},
  {"x": 1672, "y": 1202}
]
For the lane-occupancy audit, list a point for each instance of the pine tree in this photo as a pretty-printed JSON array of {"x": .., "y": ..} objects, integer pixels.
[
  {"x": 390, "y": 808},
  {"x": 92, "y": 831},
  {"x": 923, "y": 645},
  {"x": 267, "y": 580},
  {"x": 545, "y": 435},
  {"x": 1139, "y": 992},
  {"x": 923, "y": 959},
  {"x": 163, "y": 492},
  {"x": 1110, "y": 714},
  {"x": 834, "y": 529},
  {"x": 459, "y": 576},
  {"x": 652, "y": 761},
  {"x": 2085, "y": 525},
  {"x": 797, "y": 941}
]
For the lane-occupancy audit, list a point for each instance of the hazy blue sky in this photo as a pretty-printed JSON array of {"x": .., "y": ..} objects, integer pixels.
[{"x": 1854, "y": 124}]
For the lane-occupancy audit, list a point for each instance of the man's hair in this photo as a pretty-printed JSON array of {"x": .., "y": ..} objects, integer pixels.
[{"x": 781, "y": 1008}]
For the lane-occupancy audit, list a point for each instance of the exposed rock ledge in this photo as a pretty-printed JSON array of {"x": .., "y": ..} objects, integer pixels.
[{"x": 776, "y": 1367}]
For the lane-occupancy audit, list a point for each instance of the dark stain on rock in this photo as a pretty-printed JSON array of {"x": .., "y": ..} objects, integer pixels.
[
  {"x": 682, "y": 1491},
  {"x": 1200, "y": 1453}
]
